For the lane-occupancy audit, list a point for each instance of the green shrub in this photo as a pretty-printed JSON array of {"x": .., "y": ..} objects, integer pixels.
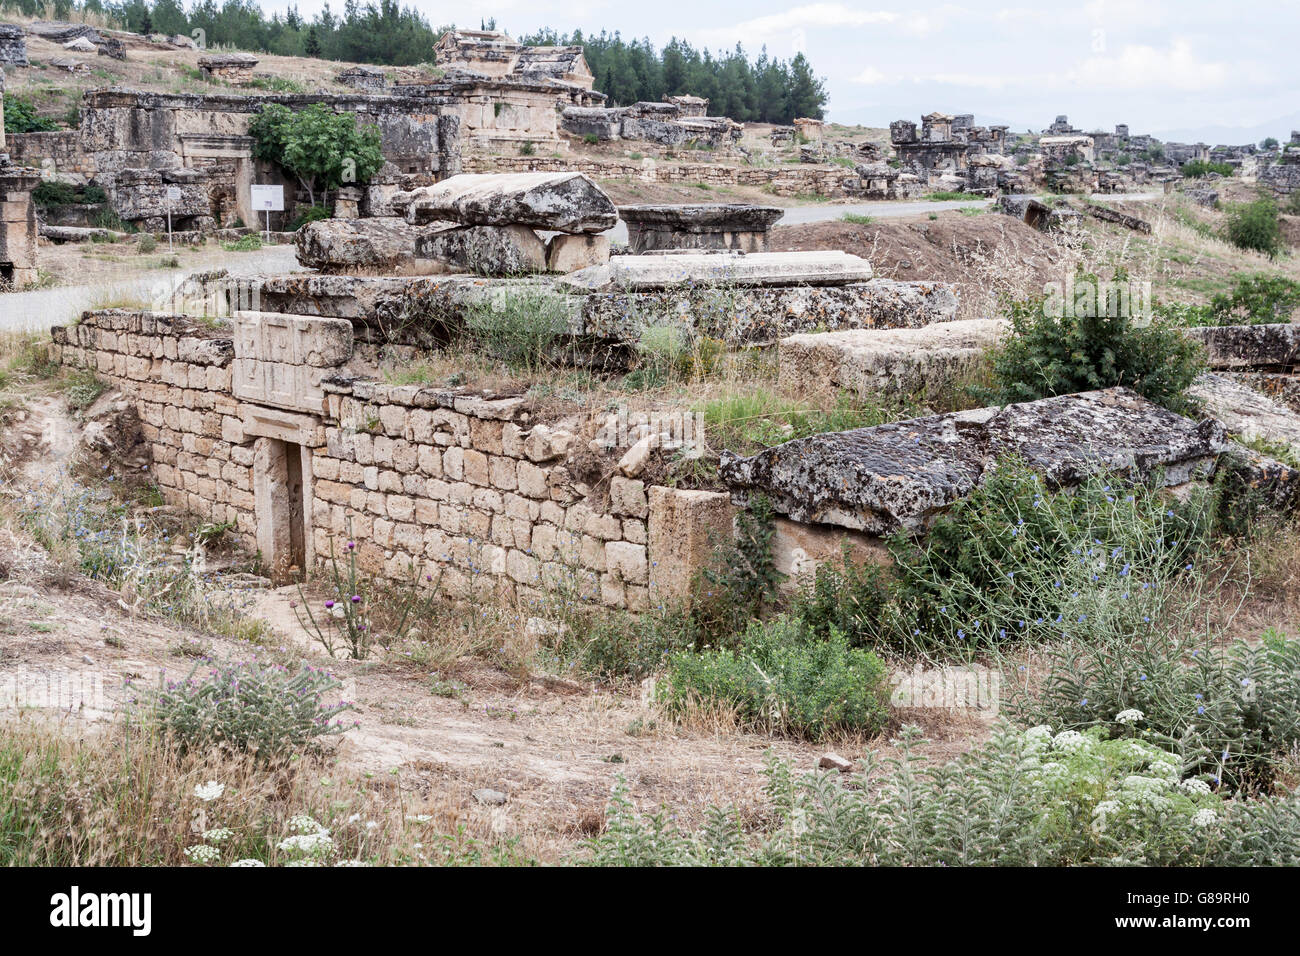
[
  {"x": 1255, "y": 226},
  {"x": 520, "y": 325},
  {"x": 1083, "y": 349},
  {"x": 1257, "y": 299},
  {"x": 305, "y": 214},
  {"x": 785, "y": 680},
  {"x": 951, "y": 196},
  {"x": 857, "y": 219},
  {"x": 248, "y": 705},
  {"x": 1198, "y": 168},
  {"x": 1013, "y": 561},
  {"x": 249, "y": 243},
  {"x": 1230, "y": 712},
  {"x": 1025, "y": 798},
  {"x": 146, "y": 243},
  {"x": 591, "y": 139},
  {"x": 617, "y": 646},
  {"x": 21, "y": 117}
]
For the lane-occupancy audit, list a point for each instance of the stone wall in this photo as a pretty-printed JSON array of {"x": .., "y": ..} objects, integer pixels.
[
  {"x": 58, "y": 151},
  {"x": 789, "y": 180},
  {"x": 475, "y": 494}
]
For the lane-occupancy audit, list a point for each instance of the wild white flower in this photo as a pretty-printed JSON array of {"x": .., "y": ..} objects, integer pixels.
[
  {"x": 207, "y": 792},
  {"x": 352, "y": 863},
  {"x": 1038, "y": 739},
  {"x": 1169, "y": 769},
  {"x": 302, "y": 823},
  {"x": 1105, "y": 807},
  {"x": 1130, "y": 716},
  {"x": 1192, "y": 785},
  {"x": 1204, "y": 818},
  {"x": 308, "y": 843},
  {"x": 219, "y": 835},
  {"x": 248, "y": 862},
  {"x": 201, "y": 853},
  {"x": 1070, "y": 741},
  {"x": 1140, "y": 782},
  {"x": 418, "y": 818},
  {"x": 307, "y": 862}
]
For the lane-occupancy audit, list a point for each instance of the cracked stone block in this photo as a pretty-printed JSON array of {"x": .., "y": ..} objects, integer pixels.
[{"x": 900, "y": 475}]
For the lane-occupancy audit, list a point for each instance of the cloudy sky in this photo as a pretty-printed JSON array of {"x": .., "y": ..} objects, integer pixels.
[{"x": 1188, "y": 66}]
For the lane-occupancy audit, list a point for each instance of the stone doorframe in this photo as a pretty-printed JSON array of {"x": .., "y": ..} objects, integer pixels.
[{"x": 282, "y": 498}]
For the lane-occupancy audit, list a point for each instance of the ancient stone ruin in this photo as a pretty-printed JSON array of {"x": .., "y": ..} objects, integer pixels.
[
  {"x": 234, "y": 68},
  {"x": 13, "y": 45},
  {"x": 18, "y": 228},
  {"x": 734, "y": 226}
]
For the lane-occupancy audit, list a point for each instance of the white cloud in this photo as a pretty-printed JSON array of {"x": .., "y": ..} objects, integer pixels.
[
  {"x": 1147, "y": 68},
  {"x": 873, "y": 77}
]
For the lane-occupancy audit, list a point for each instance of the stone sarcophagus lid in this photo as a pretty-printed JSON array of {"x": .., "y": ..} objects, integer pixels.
[{"x": 280, "y": 358}]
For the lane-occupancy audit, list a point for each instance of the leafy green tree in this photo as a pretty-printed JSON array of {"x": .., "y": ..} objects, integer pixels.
[
  {"x": 21, "y": 117},
  {"x": 1268, "y": 142},
  {"x": 322, "y": 149},
  {"x": 1255, "y": 225}
]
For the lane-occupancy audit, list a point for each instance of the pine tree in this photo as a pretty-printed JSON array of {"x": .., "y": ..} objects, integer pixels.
[{"x": 312, "y": 46}]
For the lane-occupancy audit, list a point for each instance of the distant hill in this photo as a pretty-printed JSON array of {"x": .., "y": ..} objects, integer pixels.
[{"x": 1280, "y": 129}]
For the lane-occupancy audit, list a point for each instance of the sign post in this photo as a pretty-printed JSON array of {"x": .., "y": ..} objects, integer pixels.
[
  {"x": 268, "y": 199},
  {"x": 173, "y": 195}
]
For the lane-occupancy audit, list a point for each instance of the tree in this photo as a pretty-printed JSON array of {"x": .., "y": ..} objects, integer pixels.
[
  {"x": 322, "y": 149},
  {"x": 312, "y": 46},
  {"x": 807, "y": 92},
  {"x": 1268, "y": 143}
]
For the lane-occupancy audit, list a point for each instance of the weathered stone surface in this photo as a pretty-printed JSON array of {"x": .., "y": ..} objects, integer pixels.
[
  {"x": 569, "y": 253},
  {"x": 685, "y": 529},
  {"x": 280, "y": 359},
  {"x": 563, "y": 202},
  {"x": 1245, "y": 411},
  {"x": 766, "y": 315},
  {"x": 1276, "y": 483},
  {"x": 901, "y": 474},
  {"x": 699, "y": 226},
  {"x": 485, "y": 250},
  {"x": 378, "y": 246},
  {"x": 13, "y": 45},
  {"x": 888, "y": 361},
  {"x": 758, "y": 315},
  {"x": 1272, "y": 347},
  {"x": 1106, "y": 214},
  {"x": 637, "y": 273}
]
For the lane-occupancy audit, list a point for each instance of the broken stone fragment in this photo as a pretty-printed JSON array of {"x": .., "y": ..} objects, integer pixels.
[
  {"x": 900, "y": 475},
  {"x": 637, "y": 457},
  {"x": 833, "y": 761},
  {"x": 566, "y": 253},
  {"x": 489, "y": 797},
  {"x": 563, "y": 202}
]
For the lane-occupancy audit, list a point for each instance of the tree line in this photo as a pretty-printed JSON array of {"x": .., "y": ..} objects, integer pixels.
[{"x": 764, "y": 89}]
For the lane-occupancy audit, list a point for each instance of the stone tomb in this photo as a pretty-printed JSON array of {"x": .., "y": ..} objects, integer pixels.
[{"x": 735, "y": 226}]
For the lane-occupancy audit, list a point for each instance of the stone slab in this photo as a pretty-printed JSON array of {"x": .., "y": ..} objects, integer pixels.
[
  {"x": 888, "y": 361},
  {"x": 485, "y": 250},
  {"x": 761, "y": 269},
  {"x": 1246, "y": 412},
  {"x": 900, "y": 475},
  {"x": 280, "y": 359},
  {"x": 563, "y": 202},
  {"x": 1274, "y": 346}
]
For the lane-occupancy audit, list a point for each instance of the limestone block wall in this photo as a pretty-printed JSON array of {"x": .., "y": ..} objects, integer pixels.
[
  {"x": 474, "y": 495},
  {"x": 58, "y": 151},
  {"x": 785, "y": 180}
]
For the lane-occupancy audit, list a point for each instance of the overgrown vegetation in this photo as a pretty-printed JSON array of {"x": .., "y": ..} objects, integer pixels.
[
  {"x": 1198, "y": 168},
  {"x": 1026, "y": 798},
  {"x": 322, "y": 148},
  {"x": 1255, "y": 226},
  {"x": 1255, "y": 299},
  {"x": 1059, "y": 347},
  {"x": 522, "y": 326}
]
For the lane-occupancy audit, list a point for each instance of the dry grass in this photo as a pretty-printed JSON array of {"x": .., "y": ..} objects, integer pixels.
[{"x": 126, "y": 797}]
